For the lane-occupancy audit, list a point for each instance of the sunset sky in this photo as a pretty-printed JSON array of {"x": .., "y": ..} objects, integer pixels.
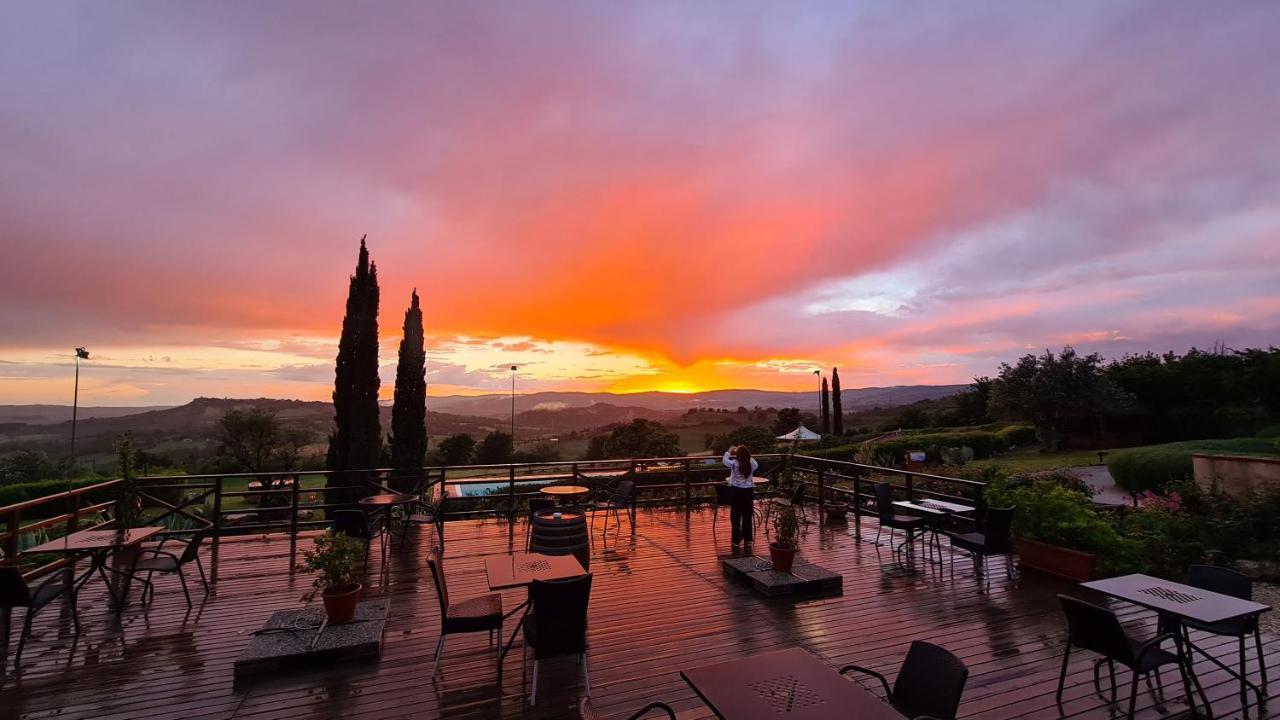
[{"x": 628, "y": 196}]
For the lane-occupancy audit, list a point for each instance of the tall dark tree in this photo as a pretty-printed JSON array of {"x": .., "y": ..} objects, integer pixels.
[
  {"x": 356, "y": 441},
  {"x": 826, "y": 408},
  {"x": 837, "y": 406},
  {"x": 409, "y": 412}
]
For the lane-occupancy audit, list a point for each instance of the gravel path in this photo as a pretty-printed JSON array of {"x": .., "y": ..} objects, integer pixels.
[{"x": 1268, "y": 594}]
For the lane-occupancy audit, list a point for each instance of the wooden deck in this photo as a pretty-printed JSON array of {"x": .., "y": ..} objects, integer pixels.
[{"x": 659, "y": 604}]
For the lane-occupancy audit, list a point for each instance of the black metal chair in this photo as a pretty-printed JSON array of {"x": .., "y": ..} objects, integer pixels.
[
  {"x": 157, "y": 560},
  {"x": 618, "y": 499},
  {"x": 929, "y": 683},
  {"x": 1098, "y": 629},
  {"x": 587, "y": 712},
  {"x": 482, "y": 613},
  {"x": 16, "y": 593},
  {"x": 909, "y": 524},
  {"x": 1228, "y": 582},
  {"x": 557, "y": 624},
  {"x": 421, "y": 513},
  {"x": 723, "y": 498},
  {"x": 535, "y": 504},
  {"x": 995, "y": 539}
]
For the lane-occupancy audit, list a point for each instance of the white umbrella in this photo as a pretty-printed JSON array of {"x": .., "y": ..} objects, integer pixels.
[{"x": 801, "y": 433}]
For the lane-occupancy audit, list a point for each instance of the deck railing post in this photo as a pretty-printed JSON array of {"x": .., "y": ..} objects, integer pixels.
[
  {"x": 511, "y": 494},
  {"x": 688, "y": 490},
  {"x": 217, "y": 528},
  {"x": 293, "y": 515},
  {"x": 911, "y": 492},
  {"x": 857, "y": 504},
  {"x": 822, "y": 491}
]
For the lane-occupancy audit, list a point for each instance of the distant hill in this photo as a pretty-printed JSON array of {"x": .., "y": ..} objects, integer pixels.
[
  {"x": 51, "y": 414},
  {"x": 499, "y": 406}
]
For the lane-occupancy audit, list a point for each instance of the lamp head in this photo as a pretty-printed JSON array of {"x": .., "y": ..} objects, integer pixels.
[{"x": 82, "y": 353}]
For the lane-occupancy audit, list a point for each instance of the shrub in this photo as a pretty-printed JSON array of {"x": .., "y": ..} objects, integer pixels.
[
  {"x": 1018, "y": 435},
  {"x": 1158, "y": 467},
  {"x": 1050, "y": 513},
  {"x": 21, "y": 492}
]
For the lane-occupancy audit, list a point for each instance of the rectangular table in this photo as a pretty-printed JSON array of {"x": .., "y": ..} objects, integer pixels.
[
  {"x": 1174, "y": 601},
  {"x": 790, "y": 683},
  {"x": 99, "y": 544},
  {"x": 505, "y": 572},
  {"x": 936, "y": 509}
]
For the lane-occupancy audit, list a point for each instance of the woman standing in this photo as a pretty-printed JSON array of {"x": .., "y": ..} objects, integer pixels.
[{"x": 741, "y": 467}]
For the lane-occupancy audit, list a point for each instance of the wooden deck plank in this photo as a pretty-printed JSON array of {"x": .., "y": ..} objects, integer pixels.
[{"x": 659, "y": 603}]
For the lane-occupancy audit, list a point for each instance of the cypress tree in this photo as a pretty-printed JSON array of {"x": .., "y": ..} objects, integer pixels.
[
  {"x": 837, "y": 407},
  {"x": 409, "y": 412},
  {"x": 356, "y": 441},
  {"x": 826, "y": 408}
]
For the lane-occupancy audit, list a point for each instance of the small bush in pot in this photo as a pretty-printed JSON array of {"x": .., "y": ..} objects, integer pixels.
[
  {"x": 333, "y": 561},
  {"x": 786, "y": 531}
]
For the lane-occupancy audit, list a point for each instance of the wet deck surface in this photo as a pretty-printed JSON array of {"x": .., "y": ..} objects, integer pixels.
[{"x": 659, "y": 604}]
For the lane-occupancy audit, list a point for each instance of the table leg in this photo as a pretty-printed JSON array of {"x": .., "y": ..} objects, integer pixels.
[{"x": 507, "y": 648}]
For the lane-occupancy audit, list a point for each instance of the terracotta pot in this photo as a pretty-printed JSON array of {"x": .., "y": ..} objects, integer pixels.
[
  {"x": 837, "y": 515},
  {"x": 341, "y": 606},
  {"x": 1054, "y": 560},
  {"x": 783, "y": 558}
]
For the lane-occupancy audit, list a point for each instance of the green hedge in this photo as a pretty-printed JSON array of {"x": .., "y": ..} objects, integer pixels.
[
  {"x": 1018, "y": 435},
  {"x": 984, "y": 444},
  {"x": 1157, "y": 467},
  {"x": 21, "y": 492}
]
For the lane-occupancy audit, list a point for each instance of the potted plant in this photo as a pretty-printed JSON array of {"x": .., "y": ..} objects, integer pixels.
[
  {"x": 786, "y": 529},
  {"x": 128, "y": 502},
  {"x": 333, "y": 560},
  {"x": 1057, "y": 528}
]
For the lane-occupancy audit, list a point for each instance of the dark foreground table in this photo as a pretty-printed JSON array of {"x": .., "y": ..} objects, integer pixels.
[{"x": 789, "y": 683}]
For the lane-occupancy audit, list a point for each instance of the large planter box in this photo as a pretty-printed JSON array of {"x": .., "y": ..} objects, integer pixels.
[{"x": 1055, "y": 560}]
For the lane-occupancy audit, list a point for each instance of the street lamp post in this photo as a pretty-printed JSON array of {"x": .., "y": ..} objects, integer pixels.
[
  {"x": 513, "y": 406},
  {"x": 81, "y": 354}
]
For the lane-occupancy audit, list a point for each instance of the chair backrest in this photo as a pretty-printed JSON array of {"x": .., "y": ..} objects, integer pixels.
[
  {"x": 586, "y": 711},
  {"x": 724, "y": 494},
  {"x": 192, "y": 549},
  {"x": 930, "y": 682},
  {"x": 884, "y": 499},
  {"x": 352, "y": 523},
  {"x": 1221, "y": 580},
  {"x": 622, "y": 491},
  {"x": 13, "y": 589},
  {"x": 797, "y": 495},
  {"x": 998, "y": 528},
  {"x": 435, "y": 559},
  {"x": 1097, "y": 629},
  {"x": 559, "y": 614}
]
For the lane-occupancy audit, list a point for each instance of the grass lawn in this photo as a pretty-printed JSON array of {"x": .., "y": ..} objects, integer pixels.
[{"x": 1034, "y": 460}]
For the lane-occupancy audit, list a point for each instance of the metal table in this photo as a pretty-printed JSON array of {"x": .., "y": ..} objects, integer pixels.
[
  {"x": 934, "y": 510},
  {"x": 1173, "y": 602},
  {"x": 99, "y": 544},
  {"x": 790, "y": 683},
  {"x": 505, "y": 572}
]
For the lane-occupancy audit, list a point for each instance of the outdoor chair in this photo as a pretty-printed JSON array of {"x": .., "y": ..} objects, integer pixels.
[
  {"x": 587, "y": 712},
  {"x": 354, "y": 524},
  {"x": 1098, "y": 629},
  {"x": 157, "y": 560},
  {"x": 535, "y": 504},
  {"x": 909, "y": 524},
  {"x": 16, "y": 593},
  {"x": 421, "y": 513},
  {"x": 723, "y": 498},
  {"x": 482, "y": 613},
  {"x": 619, "y": 499},
  {"x": 557, "y": 624},
  {"x": 1228, "y": 582},
  {"x": 995, "y": 539},
  {"x": 929, "y": 683}
]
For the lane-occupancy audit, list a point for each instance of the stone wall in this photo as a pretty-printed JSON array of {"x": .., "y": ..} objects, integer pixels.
[{"x": 1237, "y": 475}]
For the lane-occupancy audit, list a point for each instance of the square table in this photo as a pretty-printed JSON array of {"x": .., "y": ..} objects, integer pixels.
[
  {"x": 505, "y": 572},
  {"x": 792, "y": 683},
  {"x": 1174, "y": 601},
  {"x": 935, "y": 510},
  {"x": 99, "y": 544}
]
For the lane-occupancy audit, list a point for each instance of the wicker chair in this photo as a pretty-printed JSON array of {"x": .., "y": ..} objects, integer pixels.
[
  {"x": 929, "y": 683},
  {"x": 16, "y": 593},
  {"x": 157, "y": 560},
  {"x": 482, "y": 613},
  {"x": 587, "y": 712}
]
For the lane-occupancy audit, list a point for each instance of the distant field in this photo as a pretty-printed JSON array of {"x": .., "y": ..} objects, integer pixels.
[{"x": 1026, "y": 460}]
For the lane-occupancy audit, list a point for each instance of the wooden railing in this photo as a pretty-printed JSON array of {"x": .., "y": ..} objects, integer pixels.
[{"x": 299, "y": 501}]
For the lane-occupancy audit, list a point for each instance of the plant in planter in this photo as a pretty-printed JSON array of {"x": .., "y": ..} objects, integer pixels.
[
  {"x": 333, "y": 560},
  {"x": 786, "y": 530},
  {"x": 128, "y": 503}
]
